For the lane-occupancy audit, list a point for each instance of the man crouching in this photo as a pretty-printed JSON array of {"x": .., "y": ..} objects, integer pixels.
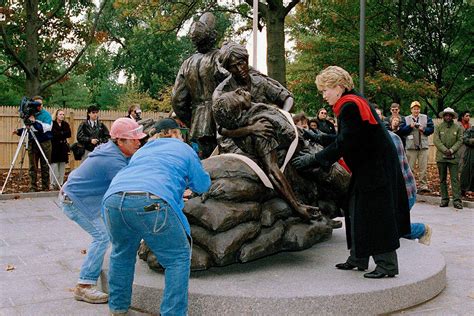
[{"x": 145, "y": 201}]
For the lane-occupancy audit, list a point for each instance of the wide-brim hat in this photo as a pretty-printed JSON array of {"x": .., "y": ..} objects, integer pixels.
[{"x": 448, "y": 110}]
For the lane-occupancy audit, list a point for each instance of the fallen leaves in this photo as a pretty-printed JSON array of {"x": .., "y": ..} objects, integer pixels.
[
  {"x": 10, "y": 267},
  {"x": 83, "y": 251}
]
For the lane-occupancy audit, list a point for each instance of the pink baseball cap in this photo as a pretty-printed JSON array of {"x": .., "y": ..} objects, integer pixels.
[{"x": 126, "y": 128}]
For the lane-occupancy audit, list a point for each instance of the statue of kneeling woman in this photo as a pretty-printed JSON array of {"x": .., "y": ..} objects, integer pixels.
[{"x": 264, "y": 134}]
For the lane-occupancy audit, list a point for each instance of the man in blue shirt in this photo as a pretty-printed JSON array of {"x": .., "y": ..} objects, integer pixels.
[
  {"x": 81, "y": 200},
  {"x": 42, "y": 124},
  {"x": 145, "y": 201}
]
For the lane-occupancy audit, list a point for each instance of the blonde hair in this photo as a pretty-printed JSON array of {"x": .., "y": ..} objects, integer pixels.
[
  {"x": 165, "y": 133},
  {"x": 334, "y": 76},
  {"x": 55, "y": 114}
]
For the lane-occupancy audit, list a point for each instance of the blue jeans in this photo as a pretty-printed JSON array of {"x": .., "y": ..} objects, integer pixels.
[
  {"x": 92, "y": 265},
  {"x": 417, "y": 230},
  {"x": 163, "y": 232}
]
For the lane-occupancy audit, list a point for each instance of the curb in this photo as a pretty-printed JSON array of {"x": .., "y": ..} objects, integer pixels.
[
  {"x": 436, "y": 200},
  {"x": 30, "y": 195},
  {"x": 15, "y": 196}
]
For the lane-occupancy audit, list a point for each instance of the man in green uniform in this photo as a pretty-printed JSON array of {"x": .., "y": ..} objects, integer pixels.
[{"x": 448, "y": 140}]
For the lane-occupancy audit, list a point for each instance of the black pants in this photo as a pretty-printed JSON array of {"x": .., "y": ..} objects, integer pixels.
[
  {"x": 35, "y": 158},
  {"x": 386, "y": 262}
]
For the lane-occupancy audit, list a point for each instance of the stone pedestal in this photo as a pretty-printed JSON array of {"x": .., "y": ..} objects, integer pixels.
[{"x": 303, "y": 283}]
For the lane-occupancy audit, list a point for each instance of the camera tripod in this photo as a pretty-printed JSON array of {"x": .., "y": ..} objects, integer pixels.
[{"x": 23, "y": 138}]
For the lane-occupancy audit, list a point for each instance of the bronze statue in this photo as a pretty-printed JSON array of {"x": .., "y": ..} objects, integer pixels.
[
  {"x": 197, "y": 78},
  {"x": 256, "y": 206},
  {"x": 233, "y": 110},
  {"x": 263, "y": 89}
]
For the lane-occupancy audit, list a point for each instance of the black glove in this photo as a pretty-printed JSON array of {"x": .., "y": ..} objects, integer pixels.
[
  {"x": 310, "y": 135},
  {"x": 304, "y": 161}
]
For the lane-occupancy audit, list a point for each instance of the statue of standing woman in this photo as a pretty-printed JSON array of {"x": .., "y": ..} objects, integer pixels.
[{"x": 197, "y": 79}]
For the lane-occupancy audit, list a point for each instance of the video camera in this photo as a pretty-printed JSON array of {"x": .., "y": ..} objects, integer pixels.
[{"x": 28, "y": 107}]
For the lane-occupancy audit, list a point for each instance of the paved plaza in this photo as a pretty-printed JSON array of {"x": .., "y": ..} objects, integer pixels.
[{"x": 42, "y": 251}]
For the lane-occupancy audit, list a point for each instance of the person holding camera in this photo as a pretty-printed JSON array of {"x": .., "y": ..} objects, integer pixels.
[
  {"x": 92, "y": 132},
  {"x": 418, "y": 127},
  {"x": 134, "y": 112},
  {"x": 448, "y": 140},
  {"x": 41, "y": 125}
]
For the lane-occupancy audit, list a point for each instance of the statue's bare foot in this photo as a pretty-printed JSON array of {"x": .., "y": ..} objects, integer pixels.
[{"x": 308, "y": 213}]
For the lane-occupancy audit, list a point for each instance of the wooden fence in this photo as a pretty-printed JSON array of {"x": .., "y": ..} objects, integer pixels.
[{"x": 10, "y": 121}]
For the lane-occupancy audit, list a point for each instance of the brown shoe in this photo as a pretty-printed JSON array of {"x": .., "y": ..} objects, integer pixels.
[
  {"x": 426, "y": 238},
  {"x": 90, "y": 295}
]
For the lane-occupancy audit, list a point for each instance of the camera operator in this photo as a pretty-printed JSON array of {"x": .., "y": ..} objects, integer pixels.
[
  {"x": 41, "y": 125},
  {"x": 92, "y": 132}
]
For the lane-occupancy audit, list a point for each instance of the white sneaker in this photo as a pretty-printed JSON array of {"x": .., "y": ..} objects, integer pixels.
[
  {"x": 90, "y": 295},
  {"x": 426, "y": 238}
]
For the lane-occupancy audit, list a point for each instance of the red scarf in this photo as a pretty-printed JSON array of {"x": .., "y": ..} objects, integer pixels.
[
  {"x": 465, "y": 125},
  {"x": 364, "y": 108}
]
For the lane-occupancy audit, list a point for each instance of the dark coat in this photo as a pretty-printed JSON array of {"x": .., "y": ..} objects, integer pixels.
[
  {"x": 326, "y": 126},
  {"x": 467, "y": 173},
  {"x": 60, "y": 147},
  {"x": 377, "y": 193},
  {"x": 86, "y": 132}
]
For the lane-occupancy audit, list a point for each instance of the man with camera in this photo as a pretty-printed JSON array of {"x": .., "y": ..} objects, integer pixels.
[
  {"x": 40, "y": 123},
  {"x": 418, "y": 127},
  {"x": 448, "y": 139}
]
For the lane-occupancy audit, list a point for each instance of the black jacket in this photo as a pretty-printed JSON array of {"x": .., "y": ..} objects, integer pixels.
[
  {"x": 86, "y": 132},
  {"x": 377, "y": 193},
  {"x": 326, "y": 126},
  {"x": 60, "y": 147}
]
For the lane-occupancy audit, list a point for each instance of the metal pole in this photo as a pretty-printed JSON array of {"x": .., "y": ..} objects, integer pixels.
[
  {"x": 255, "y": 31},
  {"x": 362, "y": 47}
]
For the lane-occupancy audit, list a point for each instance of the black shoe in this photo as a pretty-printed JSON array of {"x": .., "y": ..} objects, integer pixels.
[
  {"x": 348, "y": 266},
  {"x": 458, "y": 205},
  {"x": 377, "y": 275},
  {"x": 444, "y": 204}
]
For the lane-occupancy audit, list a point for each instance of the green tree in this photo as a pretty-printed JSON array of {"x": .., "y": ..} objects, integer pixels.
[
  {"x": 439, "y": 47},
  {"x": 70, "y": 92},
  {"x": 414, "y": 49},
  {"x": 35, "y": 35},
  {"x": 273, "y": 14}
]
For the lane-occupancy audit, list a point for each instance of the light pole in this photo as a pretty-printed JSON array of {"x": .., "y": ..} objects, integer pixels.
[
  {"x": 255, "y": 30},
  {"x": 362, "y": 47}
]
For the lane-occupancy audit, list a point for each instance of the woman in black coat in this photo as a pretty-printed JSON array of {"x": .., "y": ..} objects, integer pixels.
[
  {"x": 378, "y": 212},
  {"x": 60, "y": 148},
  {"x": 324, "y": 125}
]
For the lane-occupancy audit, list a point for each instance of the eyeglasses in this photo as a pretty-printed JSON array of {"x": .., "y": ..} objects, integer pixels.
[
  {"x": 394, "y": 110},
  {"x": 325, "y": 113}
]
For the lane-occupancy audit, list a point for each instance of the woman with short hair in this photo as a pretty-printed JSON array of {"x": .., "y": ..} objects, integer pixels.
[{"x": 378, "y": 213}]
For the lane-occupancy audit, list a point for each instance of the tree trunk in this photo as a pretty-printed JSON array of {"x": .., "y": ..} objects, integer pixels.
[
  {"x": 31, "y": 59},
  {"x": 276, "y": 59}
]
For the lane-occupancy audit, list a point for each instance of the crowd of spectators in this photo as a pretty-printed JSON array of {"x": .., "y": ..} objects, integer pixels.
[{"x": 454, "y": 143}]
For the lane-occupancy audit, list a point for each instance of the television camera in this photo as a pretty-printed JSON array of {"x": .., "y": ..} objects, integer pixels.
[{"x": 28, "y": 107}]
